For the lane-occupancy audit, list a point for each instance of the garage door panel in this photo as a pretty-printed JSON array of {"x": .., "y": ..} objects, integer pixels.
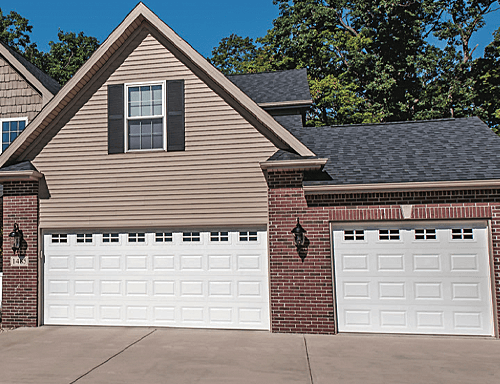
[
  {"x": 439, "y": 285},
  {"x": 171, "y": 283}
]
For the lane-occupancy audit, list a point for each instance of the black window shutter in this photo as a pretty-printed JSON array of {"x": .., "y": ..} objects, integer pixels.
[
  {"x": 175, "y": 116},
  {"x": 116, "y": 120}
]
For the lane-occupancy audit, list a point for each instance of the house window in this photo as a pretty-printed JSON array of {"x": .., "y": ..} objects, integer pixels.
[
  {"x": 248, "y": 236},
  {"x": 84, "y": 238},
  {"x": 219, "y": 236},
  {"x": 354, "y": 234},
  {"x": 59, "y": 238},
  {"x": 136, "y": 237},
  {"x": 110, "y": 238},
  {"x": 189, "y": 237},
  {"x": 462, "y": 234},
  {"x": 388, "y": 234},
  {"x": 163, "y": 237},
  {"x": 425, "y": 234},
  {"x": 145, "y": 117},
  {"x": 11, "y": 128}
]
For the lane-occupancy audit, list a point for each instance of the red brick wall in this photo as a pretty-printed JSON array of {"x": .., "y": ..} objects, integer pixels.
[
  {"x": 302, "y": 292},
  {"x": 20, "y": 283}
]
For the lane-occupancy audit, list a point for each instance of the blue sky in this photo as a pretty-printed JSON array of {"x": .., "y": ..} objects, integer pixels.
[{"x": 202, "y": 23}]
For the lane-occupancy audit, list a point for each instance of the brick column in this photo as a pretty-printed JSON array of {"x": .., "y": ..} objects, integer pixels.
[
  {"x": 20, "y": 282},
  {"x": 301, "y": 291}
]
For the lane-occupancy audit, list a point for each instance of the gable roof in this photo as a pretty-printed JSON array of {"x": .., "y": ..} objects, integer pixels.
[
  {"x": 448, "y": 150},
  {"x": 140, "y": 17},
  {"x": 276, "y": 89},
  {"x": 42, "y": 82}
]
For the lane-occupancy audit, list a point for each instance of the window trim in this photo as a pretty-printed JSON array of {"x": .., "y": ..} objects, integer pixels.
[
  {"x": 6, "y": 119},
  {"x": 126, "y": 119}
]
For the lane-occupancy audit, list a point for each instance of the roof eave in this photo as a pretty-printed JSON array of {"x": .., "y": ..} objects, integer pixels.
[
  {"x": 287, "y": 104},
  {"x": 401, "y": 187},
  {"x": 297, "y": 165},
  {"x": 20, "y": 176}
]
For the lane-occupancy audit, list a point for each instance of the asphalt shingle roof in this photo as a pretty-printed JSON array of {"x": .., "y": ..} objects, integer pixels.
[
  {"x": 48, "y": 82},
  {"x": 23, "y": 166},
  {"x": 272, "y": 87},
  {"x": 418, "y": 151}
]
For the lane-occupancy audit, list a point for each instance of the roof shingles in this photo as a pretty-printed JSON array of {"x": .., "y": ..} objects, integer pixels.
[{"x": 418, "y": 151}]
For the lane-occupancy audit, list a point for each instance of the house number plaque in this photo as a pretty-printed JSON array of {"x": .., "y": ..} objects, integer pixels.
[{"x": 16, "y": 261}]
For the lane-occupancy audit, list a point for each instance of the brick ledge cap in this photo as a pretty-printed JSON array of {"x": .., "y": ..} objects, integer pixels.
[{"x": 397, "y": 187}]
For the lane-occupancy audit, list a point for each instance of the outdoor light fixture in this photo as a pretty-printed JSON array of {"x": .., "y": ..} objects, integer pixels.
[
  {"x": 17, "y": 235},
  {"x": 299, "y": 235}
]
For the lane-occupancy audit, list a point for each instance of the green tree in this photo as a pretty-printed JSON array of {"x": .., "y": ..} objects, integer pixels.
[
  {"x": 236, "y": 55},
  {"x": 67, "y": 55},
  {"x": 15, "y": 31},
  {"x": 487, "y": 86},
  {"x": 380, "y": 60}
]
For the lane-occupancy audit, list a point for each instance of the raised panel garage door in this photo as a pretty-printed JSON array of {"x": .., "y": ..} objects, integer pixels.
[
  {"x": 420, "y": 278},
  {"x": 182, "y": 279}
]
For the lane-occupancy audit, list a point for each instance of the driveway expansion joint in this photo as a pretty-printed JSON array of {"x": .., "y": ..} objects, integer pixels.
[
  {"x": 308, "y": 361},
  {"x": 112, "y": 357}
]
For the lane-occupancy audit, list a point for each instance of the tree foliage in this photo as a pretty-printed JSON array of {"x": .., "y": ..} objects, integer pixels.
[
  {"x": 65, "y": 56},
  {"x": 377, "y": 60}
]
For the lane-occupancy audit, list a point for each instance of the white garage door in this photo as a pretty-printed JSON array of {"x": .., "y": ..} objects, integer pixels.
[
  {"x": 184, "y": 279},
  {"x": 417, "y": 278}
]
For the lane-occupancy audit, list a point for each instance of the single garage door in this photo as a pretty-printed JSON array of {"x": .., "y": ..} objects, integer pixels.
[
  {"x": 182, "y": 279},
  {"x": 424, "y": 278}
]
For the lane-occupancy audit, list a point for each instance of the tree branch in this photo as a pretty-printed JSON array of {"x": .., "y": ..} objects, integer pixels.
[{"x": 347, "y": 26}]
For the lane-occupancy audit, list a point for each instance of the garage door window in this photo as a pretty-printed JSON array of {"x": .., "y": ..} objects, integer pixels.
[
  {"x": 425, "y": 234},
  {"x": 388, "y": 234},
  {"x": 354, "y": 235},
  {"x": 136, "y": 237},
  {"x": 163, "y": 237},
  {"x": 462, "y": 234},
  {"x": 58, "y": 238},
  {"x": 110, "y": 238},
  {"x": 189, "y": 237},
  {"x": 84, "y": 238},
  {"x": 219, "y": 236},
  {"x": 248, "y": 236}
]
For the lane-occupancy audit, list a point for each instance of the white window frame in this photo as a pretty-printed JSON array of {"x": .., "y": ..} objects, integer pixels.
[
  {"x": 163, "y": 84},
  {"x": 25, "y": 119}
]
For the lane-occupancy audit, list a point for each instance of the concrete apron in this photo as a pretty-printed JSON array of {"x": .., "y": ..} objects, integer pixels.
[{"x": 148, "y": 355}]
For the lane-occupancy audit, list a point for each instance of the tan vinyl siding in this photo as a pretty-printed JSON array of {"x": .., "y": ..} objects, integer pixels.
[
  {"x": 215, "y": 182},
  {"x": 17, "y": 97}
]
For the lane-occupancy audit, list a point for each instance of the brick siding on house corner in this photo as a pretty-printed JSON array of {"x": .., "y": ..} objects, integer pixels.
[
  {"x": 302, "y": 298},
  {"x": 20, "y": 283}
]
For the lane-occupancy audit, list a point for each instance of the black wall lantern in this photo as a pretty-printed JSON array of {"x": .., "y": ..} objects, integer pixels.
[
  {"x": 299, "y": 235},
  {"x": 17, "y": 236}
]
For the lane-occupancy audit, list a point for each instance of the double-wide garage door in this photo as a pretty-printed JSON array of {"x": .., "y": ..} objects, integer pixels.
[
  {"x": 185, "y": 279},
  {"x": 414, "y": 278}
]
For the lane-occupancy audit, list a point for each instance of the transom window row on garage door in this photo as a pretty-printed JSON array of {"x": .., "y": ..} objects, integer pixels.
[
  {"x": 157, "y": 237},
  {"x": 419, "y": 234}
]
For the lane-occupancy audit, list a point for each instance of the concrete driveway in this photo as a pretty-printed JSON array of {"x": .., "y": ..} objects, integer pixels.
[{"x": 148, "y": 355}]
